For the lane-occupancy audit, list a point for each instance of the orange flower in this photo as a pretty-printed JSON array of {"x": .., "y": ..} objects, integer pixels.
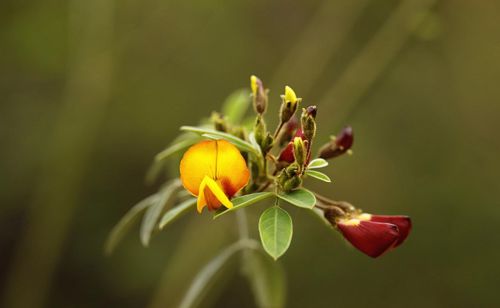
[{"x": 214, "y": 171}]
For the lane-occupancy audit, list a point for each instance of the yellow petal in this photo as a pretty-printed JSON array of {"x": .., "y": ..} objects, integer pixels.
[
  {"x": 218, "y": 192},
  {"x": 198, "y": 162},
  {"x": 232, "y": 171},
  {"x": 218, "y": 160},
  {"x": 290, "y": 95},
  {"x": 201, "y": 202},
  {"x": 253, "y": 84}
]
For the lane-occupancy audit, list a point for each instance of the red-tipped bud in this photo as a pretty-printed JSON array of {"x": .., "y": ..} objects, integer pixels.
[
  {"x": 371, "y": 238},
  {"x": 345, "y": 138},
  {"x": 308, "y": 122},
  {"x": 402, "y": 222},
  {"x": 312, "y": 110},
  {"x": 339, "y": 145}
]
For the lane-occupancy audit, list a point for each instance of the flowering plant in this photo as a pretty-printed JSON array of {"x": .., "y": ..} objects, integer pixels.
[{"x": 229, "y": 164}]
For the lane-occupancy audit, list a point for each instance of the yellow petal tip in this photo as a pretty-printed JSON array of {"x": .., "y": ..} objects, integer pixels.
[
  {"x": 253, "y": 84},
  {"x": 290, "y": 95}
]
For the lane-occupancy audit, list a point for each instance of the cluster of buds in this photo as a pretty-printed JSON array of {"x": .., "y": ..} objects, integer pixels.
[{"x": 373, "y": 235}]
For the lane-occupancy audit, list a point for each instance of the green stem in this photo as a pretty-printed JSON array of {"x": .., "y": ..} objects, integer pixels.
[{"x": 242, "y": 222}]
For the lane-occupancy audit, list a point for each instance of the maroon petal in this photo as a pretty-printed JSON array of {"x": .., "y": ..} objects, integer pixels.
[
  {"x": 371, "y": 238},
  {"x": 287, "y": 154},
  {"x": 403, "y": 223}
]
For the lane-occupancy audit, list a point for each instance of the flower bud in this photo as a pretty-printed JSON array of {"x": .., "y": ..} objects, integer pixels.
[
  {"x": 338, "y": 145},
  {"x": 219, "y": 121},
  {"x": 292, "y": 183},
  {"x": 267, "y": 143},
  {"x": 289, "y": 104},
  {"x": 260, "y": 129},
  {"x": 402, "y": 222},
  {"x": 308, "y": 122},
  {"x": 289, "y": 178},
  {"x": 371, "y": 238},
  {"x": 299, "y": 150},
  {"x": 259, "y": 95}
]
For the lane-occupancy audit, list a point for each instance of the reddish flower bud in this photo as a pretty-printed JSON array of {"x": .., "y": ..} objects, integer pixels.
[
  {"x": 338, "y": 146},
  {"x": 308, "y": 122},
  {"x": 312, "y": 110},
  {"x": 402, "y": 222},
  {"x": 345, "y": 138},
  {"x": 371, "y": 238}
]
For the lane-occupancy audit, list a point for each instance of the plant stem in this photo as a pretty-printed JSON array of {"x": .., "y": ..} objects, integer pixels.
[
  {"x": 242, "y": 222},
  {"x": 345, "y": 206},
  {"x": 278, "y": 129}
]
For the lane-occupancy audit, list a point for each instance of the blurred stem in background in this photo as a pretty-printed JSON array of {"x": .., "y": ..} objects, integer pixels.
[
  {"x": 345, "y": 93},
  {"x": 310, "y": 46},
  {"x": 67, "y": 154},
  {"x": 365, "y": 68}
]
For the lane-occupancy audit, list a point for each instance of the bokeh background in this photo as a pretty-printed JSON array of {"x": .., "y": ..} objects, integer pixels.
[{"x": 91, "y": 90}]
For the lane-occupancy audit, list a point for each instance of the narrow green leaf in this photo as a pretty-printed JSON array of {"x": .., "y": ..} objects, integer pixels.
[
  {"x": 236, "y": 105},
  {"x": 177, "y": 212},
  {"x": 317, "y": 163},
  {"x": 275, "y": 229},
  {"x": 180, "y": 143},
  {"x": 266, "y": 278},
  {"x": 209, "y": 273},
  {"x": 244, "y": 201},
  {"x": 253, "y": 141},
  {"x": 152, "y": 215},
  {"x": 239, "y": 143},
  {"x": 318, "y": 175},
  {"x": 213, "y": 134},
  {"x": 121, "y": 228},
  {"x": 175, "y": 147},
  {"x": 300, "y": 197}
]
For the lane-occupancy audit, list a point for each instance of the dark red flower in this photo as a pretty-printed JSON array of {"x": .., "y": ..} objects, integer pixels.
[
  {"x": 287, "y": 154},
  {"x": 371, "y": 238},
  {"x": 402, "y": 222}
]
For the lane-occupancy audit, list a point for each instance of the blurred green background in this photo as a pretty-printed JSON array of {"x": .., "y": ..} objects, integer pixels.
[{"x": 91, "y": 90}]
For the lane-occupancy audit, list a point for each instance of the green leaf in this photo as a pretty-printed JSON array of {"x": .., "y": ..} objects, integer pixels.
[
  {"x": 266, "y": 278},
  {"x": 236, "y": 105},
  {"x": 213, "y": 134},
  {"x": 318, "y": 175},
  {"x": 317, "y": 163},
  {"x": 152, "y": 215},
  {"x": 175, "y": 147},
  {"x": 180, "y": 143},
  {"x": 201, "y": 282},
  {"x": 176, "y": 212},
  {"x": 300, "y": 197},
  {"x": 275, "y": 229},
  {"x": 244, "y": 201},
  {"x": 253, "y": 141},
  {"x": 121, "y": 228}
]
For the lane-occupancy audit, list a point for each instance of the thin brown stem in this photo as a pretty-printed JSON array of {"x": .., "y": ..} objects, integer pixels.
[
  {"x": 345, "y": 206},
  {"x": 278, "y": 130}
]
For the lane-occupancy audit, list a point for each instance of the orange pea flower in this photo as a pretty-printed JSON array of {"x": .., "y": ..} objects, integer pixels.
[{"x": 214, "y": 171}]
